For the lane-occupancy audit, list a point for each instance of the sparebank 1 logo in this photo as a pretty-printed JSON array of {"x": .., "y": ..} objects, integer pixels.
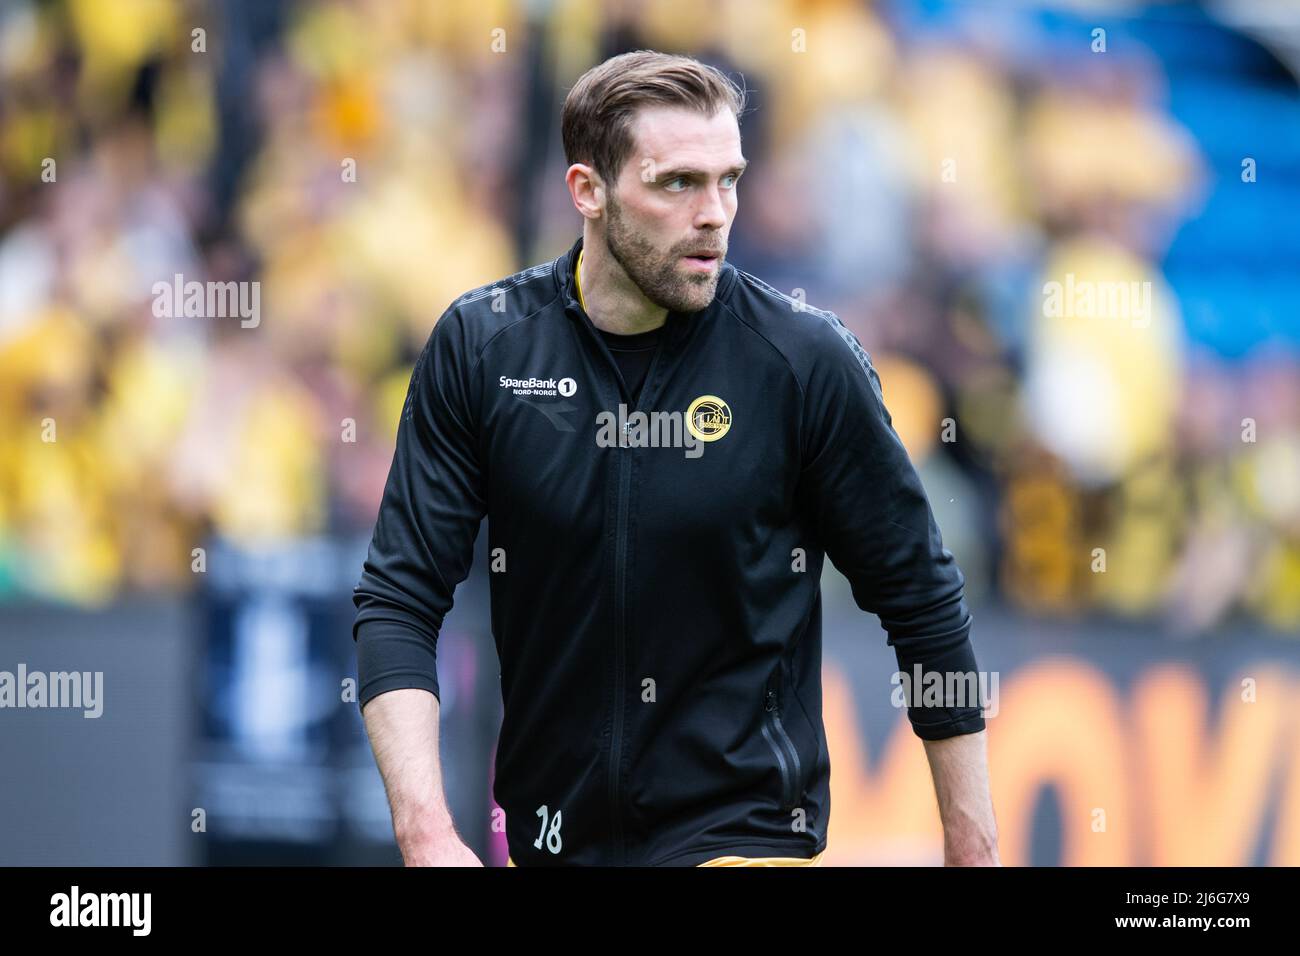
[
  {"x": 564, "y": 387},
  {"x": 529, "y": 390}
]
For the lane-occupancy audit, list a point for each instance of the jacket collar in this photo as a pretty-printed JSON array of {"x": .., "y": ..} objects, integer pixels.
[{"x": 563, "y": 271}]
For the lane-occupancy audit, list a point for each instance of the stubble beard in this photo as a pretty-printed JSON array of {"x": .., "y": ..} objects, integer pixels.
[{"x": 658, "y": 275}]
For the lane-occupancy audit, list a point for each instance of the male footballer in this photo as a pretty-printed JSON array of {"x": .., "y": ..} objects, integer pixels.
[{"x": 666, "y": 450}]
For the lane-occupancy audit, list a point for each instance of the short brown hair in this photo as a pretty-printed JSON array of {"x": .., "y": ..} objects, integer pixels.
[{"x": 596, "y": 121}]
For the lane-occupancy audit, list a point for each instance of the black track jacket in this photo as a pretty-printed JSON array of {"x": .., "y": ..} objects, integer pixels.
[{"x": 656, "y": 607}]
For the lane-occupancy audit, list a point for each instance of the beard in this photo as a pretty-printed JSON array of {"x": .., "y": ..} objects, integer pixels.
[{"x": 657, "y": 274}]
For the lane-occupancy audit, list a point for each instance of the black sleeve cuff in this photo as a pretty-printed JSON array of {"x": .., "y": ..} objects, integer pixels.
[
  {"x": 971, "y": 724},
  {"x": 953, "y": 705},
  {"x": 392, "y": 655}
]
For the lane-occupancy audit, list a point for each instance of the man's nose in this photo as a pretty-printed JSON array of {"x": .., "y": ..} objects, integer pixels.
[{"x": 711, "y": 214}]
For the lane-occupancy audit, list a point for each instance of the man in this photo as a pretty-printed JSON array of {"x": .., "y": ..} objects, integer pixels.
[{"x": 666, "y": 449}]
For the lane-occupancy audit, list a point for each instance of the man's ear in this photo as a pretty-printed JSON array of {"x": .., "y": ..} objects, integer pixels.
[{"x": 586, "y": 189}]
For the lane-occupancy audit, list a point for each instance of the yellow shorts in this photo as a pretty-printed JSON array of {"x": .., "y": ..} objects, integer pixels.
[{"x": 750, "y": 861}]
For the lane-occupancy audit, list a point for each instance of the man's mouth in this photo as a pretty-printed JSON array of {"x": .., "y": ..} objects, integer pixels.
[{"x": 702, "y": 259}]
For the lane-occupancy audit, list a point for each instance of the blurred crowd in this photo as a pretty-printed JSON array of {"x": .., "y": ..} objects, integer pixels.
[{"x": 956, "y": 185}]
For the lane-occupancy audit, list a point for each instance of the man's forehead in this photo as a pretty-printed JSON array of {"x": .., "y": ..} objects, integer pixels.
[{"x": 669, "y": 135}]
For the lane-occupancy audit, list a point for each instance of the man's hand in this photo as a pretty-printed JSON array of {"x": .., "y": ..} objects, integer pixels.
[
  {"x": 959, "y": 766},
  {"x": 441, "y": 846},
  {"x": 403, "y": 729}
]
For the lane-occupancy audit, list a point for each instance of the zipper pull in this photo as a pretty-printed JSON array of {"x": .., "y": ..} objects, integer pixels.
[{"x": 770, "y": 703}]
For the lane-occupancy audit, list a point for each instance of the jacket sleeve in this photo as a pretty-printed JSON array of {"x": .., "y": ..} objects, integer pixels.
[
  {"x": 429, "y": 517},
  {"x": 871, "y": 514}
]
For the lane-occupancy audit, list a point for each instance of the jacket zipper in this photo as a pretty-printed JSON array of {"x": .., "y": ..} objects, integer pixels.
[
  {"x": 796, "y": 794},
  {"x": 620, "y": 653},
  {"x": 620, "y": 598},
  {"x": 791, "y": 770},
  {"x": 777, "y": 749}
]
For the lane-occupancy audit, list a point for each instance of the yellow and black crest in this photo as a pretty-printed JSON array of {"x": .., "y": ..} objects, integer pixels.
[{"x": 708, "y": 418}]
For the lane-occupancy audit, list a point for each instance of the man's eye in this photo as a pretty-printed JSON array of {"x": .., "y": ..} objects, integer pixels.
[
  {"x": 733, "y": 177},
  {"x": 676, "y": 179}
]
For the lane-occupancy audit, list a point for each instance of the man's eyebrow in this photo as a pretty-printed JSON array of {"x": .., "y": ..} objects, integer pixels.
[{"x": 690, "y": 172}]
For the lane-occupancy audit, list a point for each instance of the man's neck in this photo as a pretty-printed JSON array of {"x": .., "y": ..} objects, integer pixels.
[{"x": 610, "y": 298}]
